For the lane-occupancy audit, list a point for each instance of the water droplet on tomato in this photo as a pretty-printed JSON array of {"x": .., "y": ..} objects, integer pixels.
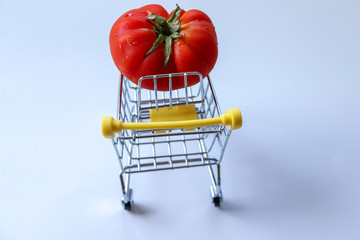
[
  {"x": 129, "y": 14},
  {"x": 134, "y": 43},
  {"x": 125, "y": 59},
  {"x": 121, "y": 48}
]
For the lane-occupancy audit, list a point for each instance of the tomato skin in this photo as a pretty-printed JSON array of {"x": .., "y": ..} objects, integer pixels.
[{"x": 132, "y": 36}]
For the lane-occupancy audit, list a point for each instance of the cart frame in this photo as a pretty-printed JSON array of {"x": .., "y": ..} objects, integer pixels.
[{"x": 134, "y": 105}]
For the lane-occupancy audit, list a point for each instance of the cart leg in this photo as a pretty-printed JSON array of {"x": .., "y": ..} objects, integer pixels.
[
  {"x": 215, "y": 187},
  {"x": 127, "y": 193}
]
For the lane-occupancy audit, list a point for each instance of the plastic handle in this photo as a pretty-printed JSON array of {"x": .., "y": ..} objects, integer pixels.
[{"x": 231, "y": 118}]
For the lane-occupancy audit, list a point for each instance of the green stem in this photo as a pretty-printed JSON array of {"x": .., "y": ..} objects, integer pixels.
[
  {"x": 166, "y": 30},
  {"x": 161, "y": 23}
]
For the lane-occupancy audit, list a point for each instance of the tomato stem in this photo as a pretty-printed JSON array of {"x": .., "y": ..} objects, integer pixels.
[
  {"x": 162, "y": 24},
  {"x": 166, "y": 30}
]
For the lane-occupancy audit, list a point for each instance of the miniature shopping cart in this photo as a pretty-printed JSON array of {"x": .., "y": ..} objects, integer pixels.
[{"x": 161, "y": 130}]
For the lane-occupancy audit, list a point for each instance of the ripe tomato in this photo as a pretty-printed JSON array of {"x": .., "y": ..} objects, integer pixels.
[{"x": 148, "y": 41}]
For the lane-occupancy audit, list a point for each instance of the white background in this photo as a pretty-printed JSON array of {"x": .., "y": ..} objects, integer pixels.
[{"x": 291, "y": 172}]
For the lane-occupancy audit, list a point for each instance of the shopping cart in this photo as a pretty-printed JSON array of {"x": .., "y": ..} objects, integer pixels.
[{"x": 161, "y": 130}]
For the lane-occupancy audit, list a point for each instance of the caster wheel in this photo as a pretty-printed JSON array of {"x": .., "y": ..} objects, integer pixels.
[
  {"x": 216, "y": 201},
  {"x": 127, "y": 206}
]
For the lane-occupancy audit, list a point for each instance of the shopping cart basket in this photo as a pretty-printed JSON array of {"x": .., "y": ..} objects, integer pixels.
[{"x": 161, "y": 130}]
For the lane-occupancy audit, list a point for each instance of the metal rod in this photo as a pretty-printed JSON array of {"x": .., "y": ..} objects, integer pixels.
[
  {"x": 127, "y": 184},
  {"x": 185, "y": 151},
  {"x": 154, "y": 154},
  {"x": 170, "y": 90},
  {"x": 156, "y": 94},
  {"x": 168, "y": 141},
  {"x": 119, "y": 99},
  {"x": 166, "y": 156},
  {"x": 138, "y": 156},
  {"x": 163, "y": 100},
  {"x": 173, "y": 104},
  {"x": 186, "y": 89},
  {"x": 149, "y": 103},
  {"x": 212, "y": 176},
  {"x": 207, "y": 163},
  {"x": 202, "y": 147},
  {"x": 226, "y": 142},
  {"x": 168, "y": 134},
  {"x": 138, "y": 98},
  {"x": 170, "y": 154},
  {"x": 117, "y": 153},
  {"x": 219, "y": 174},
  {"x": 214, "y": 94}
]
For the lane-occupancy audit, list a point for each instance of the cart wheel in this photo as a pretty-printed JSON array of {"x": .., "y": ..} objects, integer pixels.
[
  {"x": 127, "y": 206},
  {"x": 216, "y": 201}
]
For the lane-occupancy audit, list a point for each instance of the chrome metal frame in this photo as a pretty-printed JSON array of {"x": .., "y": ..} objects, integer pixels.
[{"x": 152, "y": 150}]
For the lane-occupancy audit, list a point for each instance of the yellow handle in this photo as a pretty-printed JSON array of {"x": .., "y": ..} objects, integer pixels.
[{"x": 231, "y": 118}]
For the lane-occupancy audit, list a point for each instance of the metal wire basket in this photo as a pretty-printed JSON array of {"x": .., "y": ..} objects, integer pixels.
[{"x": 143, "y": 143}]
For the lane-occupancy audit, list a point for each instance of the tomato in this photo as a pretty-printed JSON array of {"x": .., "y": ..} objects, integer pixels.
[{"x": 149, "y": 41}]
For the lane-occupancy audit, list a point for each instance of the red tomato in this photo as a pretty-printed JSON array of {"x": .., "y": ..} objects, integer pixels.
[{"x": 149, "y": 41}]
